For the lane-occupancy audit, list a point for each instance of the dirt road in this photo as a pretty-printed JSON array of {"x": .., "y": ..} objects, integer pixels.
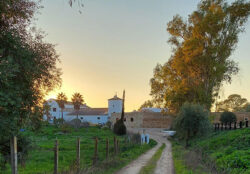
[{"x": 165, "y": 163}]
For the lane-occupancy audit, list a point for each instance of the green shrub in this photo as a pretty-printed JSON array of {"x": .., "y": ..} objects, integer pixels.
[
  {"x": 109, "y": 124},
  {"x": 133, "y": 138},
  {"x": 120, "y": 128},
  {"x": 192, "y": 121},
  {"x": 228, "y": 117},
  {"x": 58, "y": 122},
  {"x": 66, "y": 128},
  {"x": 228, "y": 149}
]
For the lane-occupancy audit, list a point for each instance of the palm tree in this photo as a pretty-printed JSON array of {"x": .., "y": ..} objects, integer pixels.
[
  {"x": 77, "y": 100},
  {"x": 61, "y": 100}
]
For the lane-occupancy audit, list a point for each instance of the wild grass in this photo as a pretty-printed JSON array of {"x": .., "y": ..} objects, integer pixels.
[
  {"x": 219, "y": 152},
  {"x": 184, "y": 163},
  {"x": 151, "y": 164},
  {"x": 41, "y": 156}
]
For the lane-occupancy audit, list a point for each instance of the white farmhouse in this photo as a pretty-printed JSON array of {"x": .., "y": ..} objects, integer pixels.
[{"x": 86, "y": 113}]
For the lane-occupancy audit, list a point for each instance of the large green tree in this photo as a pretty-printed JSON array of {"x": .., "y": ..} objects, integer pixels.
[
  {"x": 27, "y": 69},
  {"x": 201, "y": 61},
  {"x": 233, "y": 103}
]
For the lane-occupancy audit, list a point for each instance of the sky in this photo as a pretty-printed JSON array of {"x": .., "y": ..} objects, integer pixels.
[{"x": 115, "y": 44}]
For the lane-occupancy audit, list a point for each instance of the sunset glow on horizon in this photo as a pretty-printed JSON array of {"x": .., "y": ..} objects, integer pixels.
[{"x": 115, "y": 45}]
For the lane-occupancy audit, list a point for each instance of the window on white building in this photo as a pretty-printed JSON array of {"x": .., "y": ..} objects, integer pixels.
[
  {"x": 98, "y": 118},
  {"x": 132, "y": 119},
  {"x": 81, "y": 118}
]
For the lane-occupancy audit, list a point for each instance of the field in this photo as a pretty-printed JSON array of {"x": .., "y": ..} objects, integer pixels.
[
  {"x": 223, "y": 152},
  {"x": 41, "y": 156}
]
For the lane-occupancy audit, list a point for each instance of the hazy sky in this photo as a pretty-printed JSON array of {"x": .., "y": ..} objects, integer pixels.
[{"x": 115, "y": 45}]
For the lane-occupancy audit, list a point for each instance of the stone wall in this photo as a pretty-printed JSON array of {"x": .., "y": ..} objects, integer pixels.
[
  {"x": 144, "y": 120},
  {"x": 241, "y": 116},
  {"x": 157, "y": 120}
]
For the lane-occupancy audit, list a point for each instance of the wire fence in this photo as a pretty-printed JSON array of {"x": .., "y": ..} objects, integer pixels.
[{"x": 47, "y": 155}]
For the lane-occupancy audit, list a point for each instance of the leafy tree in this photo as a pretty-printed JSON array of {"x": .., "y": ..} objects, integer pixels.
[
  {"x": 146, "y": 104},
  {"x": 27, "y": 70},
  {"x": 233, "y": 103},
  {"x": 228, "y": 117},
  {"x": 200, "y": 62},
  {"x": 192, "y": 121},
  {"x": 119, "y": 126},
  {"x": 77, "y": 100},
  {"x": 61, "y": 99}
]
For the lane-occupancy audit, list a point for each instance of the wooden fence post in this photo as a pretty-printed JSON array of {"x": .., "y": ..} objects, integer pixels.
[
  {"x": 78, "y": 151},
  {"x": 96, "y": 152},
  {"x": 215, "y": 126},
  {"x": 235, "y": 125},
  {"x": 107, "y": 148},
  {"x": 56, "y": 157},
  {"x": 230, "y": 125},
  {"x": 115, "y": 148},
  {"x": 13, "y": 150},
  {"x": 246, "y": 123}
]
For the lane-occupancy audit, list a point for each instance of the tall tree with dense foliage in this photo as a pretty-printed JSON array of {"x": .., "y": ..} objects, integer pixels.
[
  {"x": 233, "y": 103},
  {"x": 27, "y": 70},
  {"x": 77, "y": 100},
  {"x": 202, "y": 47},
  {"x": 192, "y": 121},
  {"x": 61, "y": 99}
]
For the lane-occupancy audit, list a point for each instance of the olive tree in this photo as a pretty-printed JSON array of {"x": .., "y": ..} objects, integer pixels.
[{"x": 192, "y": 121}]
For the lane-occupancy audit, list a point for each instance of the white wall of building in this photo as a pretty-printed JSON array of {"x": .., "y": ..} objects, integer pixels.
[
  {"x": 114, "y": 106},
  {"x": 55, "y": 110}
]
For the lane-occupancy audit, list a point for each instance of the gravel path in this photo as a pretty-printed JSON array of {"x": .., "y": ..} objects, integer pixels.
[{"x": 165, "y": 163}]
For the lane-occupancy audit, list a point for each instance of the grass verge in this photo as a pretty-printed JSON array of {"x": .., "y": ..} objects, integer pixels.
[
  {"x": 219, "y": 152},
  {"x": 186, "y": 161},
  {"x": 151, "y": 164}
]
